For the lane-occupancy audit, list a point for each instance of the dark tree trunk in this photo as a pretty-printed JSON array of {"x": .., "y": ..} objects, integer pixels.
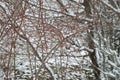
[{"x": 92, "y": 55}]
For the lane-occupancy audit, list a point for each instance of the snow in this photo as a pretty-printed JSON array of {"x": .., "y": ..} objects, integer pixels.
[
  {"x": 110, "y": 74},
  {"x": 72, "y": 62},
  {"x": 3, "y": 6}
]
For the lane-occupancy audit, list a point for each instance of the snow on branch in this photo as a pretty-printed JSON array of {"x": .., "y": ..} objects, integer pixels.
[
  {"x": 113, "y": 64},
  {"x": 87, "y": 49},
  {"x": 110, "y": 6},
  {"x": 50, "y": 71}
]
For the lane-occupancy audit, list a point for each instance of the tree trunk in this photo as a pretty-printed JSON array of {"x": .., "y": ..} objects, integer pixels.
[{"x": 92, "y": 55}]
